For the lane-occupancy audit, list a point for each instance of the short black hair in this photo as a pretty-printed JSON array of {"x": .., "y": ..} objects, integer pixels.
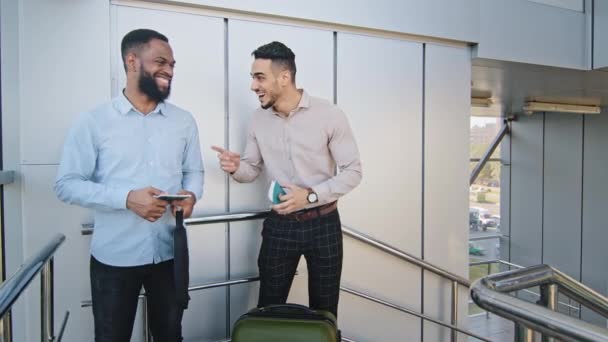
[
  {"x": 136, "y": 39},
  {"x": 279, "y": 54}
]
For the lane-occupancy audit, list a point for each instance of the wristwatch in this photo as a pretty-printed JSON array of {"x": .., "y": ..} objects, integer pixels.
[{"x": 312, "y": 196}]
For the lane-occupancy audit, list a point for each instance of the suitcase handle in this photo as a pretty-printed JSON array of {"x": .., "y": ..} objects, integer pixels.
[{"x": 288, "y": 307}]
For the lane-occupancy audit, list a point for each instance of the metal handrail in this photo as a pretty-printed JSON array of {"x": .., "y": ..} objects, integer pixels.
[
  {"x": 411, "y": 312},
  {"x": 489, "y": 293},
  {"x": 12, "y": 288},
  {"x": 348, "y": 231},
  {"x": 488, "y": 237},
  {"x": 404, "y": 256},
  {"x": 87, "y": 229},
  {"x": 506, "y": 263},
  {"x": 455, "y": 279}
]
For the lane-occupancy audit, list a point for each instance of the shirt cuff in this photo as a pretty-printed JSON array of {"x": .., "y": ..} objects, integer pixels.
[
  {"x": 323, "y": 192},
  {"x": 119, "y": 198},
  {"x": 238, "y": 175}
]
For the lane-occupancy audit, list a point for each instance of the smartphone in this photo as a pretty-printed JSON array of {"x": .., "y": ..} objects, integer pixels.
[{"x": 168, "y": 197}]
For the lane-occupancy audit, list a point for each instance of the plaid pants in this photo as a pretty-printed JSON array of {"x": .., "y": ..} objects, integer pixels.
[{"x": 284, "y": 241}]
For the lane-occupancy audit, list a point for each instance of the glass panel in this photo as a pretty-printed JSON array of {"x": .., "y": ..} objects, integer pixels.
[
  {"x": 483, "y": 132},
  {"x": 484, "y": 202}
]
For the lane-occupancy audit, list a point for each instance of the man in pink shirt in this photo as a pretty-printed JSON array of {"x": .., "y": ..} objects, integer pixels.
[{"x": 301, "y": 141}]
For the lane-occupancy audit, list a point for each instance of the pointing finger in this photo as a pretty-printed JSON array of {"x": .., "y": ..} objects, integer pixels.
[{"x": 218, "y": 149}]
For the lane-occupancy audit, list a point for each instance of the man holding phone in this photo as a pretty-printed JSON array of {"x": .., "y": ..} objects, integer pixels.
[
  {"x": 119, "y": 159},
  {"x": 300, "y": 140}
]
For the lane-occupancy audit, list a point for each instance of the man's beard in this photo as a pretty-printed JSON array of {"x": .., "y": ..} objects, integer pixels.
[
  {"x": 270, "y": 103},
  {"x": 147, "y": 85}
]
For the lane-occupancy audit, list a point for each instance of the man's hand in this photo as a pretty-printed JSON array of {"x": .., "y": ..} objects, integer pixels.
[
  {"x": 229, "y": 161},
  {"x": 294, "y": 200},
  {"x": 186, "y": 204},
  {"x": 143, "y": 203}
]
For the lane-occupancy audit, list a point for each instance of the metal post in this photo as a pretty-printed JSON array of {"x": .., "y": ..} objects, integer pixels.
[
  {"x": 454, "y": 333},
  {"x": 523, "y": 334},
  {"x": 548, "y": 298},
  {"x": 144, "y": 306},
  {"x": 488, "y": 312},
  {"x": 46, "y": 302},
  {"x": 5, "y": 327}
]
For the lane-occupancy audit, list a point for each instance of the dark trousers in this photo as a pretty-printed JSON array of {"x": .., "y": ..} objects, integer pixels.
[
  {"x": 115, "y": 292},
  {"x": 284, "y": 240}
]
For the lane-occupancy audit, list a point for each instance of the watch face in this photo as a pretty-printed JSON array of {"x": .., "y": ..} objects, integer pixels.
[{"x": 312, "y": 197}]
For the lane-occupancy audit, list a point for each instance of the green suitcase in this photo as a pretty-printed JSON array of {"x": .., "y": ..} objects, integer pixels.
[{"x": 286, "y": 323}]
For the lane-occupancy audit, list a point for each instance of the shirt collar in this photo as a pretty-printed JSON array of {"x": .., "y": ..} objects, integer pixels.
[
  {"x": 304, "y": 103},
  {"x": 304, "y": 100},
  {"x": 124, "y": 106}
]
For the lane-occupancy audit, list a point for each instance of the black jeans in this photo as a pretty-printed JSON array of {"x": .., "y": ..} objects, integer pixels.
[
  {"x": 115, "y": 292},
  {"x": 284, "y": 241}
]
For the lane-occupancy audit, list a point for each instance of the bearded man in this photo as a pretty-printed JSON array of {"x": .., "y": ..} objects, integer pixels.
[{"x": 115, "y": 160}]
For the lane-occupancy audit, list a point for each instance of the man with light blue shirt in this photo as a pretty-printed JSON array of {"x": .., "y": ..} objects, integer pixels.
[{"x": 116, "y": 158}]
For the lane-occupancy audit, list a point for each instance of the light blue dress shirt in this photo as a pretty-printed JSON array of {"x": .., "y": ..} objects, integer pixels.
[{"x": 114, "y": 149}]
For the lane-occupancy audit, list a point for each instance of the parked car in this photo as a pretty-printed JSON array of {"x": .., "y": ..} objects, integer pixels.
[{"x": 480, "y": 218}]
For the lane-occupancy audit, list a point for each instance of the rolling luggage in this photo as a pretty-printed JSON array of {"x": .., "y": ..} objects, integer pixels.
[{"x": 286, "y": 323}]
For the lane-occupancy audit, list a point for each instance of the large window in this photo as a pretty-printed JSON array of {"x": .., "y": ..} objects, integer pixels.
[{"x": 484, "y": 201}]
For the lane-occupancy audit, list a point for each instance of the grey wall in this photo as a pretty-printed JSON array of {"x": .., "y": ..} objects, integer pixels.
[
  {"x": 558, "y": 194},
  {"x": 600, "y": 34},
  {"x": 529, "y": 32}
]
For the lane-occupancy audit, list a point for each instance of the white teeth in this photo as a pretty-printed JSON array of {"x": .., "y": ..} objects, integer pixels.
[{"x": 162, "y": 81}]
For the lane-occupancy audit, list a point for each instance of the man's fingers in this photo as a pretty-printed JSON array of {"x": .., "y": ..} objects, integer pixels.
[
  {"x": 287, "y": 185},
  {"x": 154, "y": 191},
  {"x": 280, "y": 206},
  {"x": 286, "y": 197},
  {"x": 284, "y": 205},
  {"x": 218, "y": 149}
]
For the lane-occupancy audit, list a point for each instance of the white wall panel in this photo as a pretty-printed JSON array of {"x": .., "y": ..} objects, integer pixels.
[
  {"x": 446, "y": 168},
  {"x": 527, "y": 190},
  {"x": 60, "y": 79},
  {"x": 373, "y": 272},
  {"x": 594, "y": 268},
  {"x": 314, "y": 60},
  {"x": 563, "y": 167},
  {"x": 451, "y": 19},
  {"x": 383, "y": 101}
]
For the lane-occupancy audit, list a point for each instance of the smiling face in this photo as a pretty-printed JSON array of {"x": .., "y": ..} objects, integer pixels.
[
  {"x": 155, "y": 71},
  {"x": 267, "y": 81}
]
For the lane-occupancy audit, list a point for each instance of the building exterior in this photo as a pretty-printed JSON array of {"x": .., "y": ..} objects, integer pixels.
[{"x": 403, "y": 71}]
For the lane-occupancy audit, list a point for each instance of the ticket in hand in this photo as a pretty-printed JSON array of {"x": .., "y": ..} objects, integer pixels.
[{"x": 275, "y": 191}]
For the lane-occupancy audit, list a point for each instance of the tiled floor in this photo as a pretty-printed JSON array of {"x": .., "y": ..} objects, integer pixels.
[{"x": 494, "y": 328}]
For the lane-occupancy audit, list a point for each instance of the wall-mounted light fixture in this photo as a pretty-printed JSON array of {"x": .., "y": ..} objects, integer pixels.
[
  {"x": 481, "y": 102},
  {"x": 533, "y": 106}
]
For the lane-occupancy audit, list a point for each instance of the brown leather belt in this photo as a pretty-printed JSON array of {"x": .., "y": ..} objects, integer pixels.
[{"x": 312, "y": 213}]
